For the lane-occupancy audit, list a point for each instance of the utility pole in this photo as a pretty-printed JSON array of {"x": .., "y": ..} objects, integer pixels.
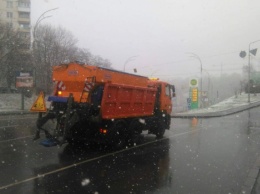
[{"x": 249, "y": 67}]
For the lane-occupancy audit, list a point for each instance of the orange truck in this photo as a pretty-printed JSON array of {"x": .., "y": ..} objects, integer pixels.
[{"x": 105, "y": 105}]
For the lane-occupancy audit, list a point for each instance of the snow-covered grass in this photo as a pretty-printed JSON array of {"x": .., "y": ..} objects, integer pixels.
[
  {"x": 14, "y": 102},
  {"x": 232, "y": 102}
]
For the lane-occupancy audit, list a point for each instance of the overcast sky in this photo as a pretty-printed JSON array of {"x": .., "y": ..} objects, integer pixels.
[{"x": 161, "y": 33}]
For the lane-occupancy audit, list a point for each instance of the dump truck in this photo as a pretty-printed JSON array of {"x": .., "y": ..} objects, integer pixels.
[{"x": 92, "y": 103}]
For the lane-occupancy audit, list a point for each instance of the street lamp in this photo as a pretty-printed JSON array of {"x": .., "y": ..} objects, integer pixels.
[
  {"x": 208, "y": 84},
  {"x": 40, "y": 18},
  {"x": 249, "y": 69},
  {"x": 129, "y": 59},
  {"x": 197, "y": 57}
]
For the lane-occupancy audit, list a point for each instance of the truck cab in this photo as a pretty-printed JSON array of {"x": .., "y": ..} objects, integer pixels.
[{"x": 165, "y": 94}]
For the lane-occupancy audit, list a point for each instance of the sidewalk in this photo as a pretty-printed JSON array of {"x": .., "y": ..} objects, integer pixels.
[{"x": 229, "y": 106}]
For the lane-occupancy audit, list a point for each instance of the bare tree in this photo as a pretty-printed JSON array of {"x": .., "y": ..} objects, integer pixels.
[
  {"x": 86, "y": 57},
  {"x": 14, "y": 53},
  {"x": 100, "y": 62},
  {"x": 82, "y": 55},
  {"x": 53, "y": 46}
]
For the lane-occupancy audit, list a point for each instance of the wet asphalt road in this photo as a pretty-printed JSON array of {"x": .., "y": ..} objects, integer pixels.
[{"x": 196, "y": 156}]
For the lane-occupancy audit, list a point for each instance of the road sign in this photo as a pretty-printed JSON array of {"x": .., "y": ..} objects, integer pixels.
[
  {"x": 39, "y": 104},
  {"x": 242, "y": 54},
  {"x": 253, "y": 51},
  {"x": 194, "y": 97},
  {"x": 24, "y": 79},
  {"x": 194, "y": 83}
]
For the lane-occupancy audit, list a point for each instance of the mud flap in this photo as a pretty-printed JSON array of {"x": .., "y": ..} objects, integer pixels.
[
  {"x": 67, "y": 123},
  {"x": 40, "y": 122}
]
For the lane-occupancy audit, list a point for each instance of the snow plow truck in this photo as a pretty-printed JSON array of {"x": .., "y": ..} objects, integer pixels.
[{"x": 91, "y": 103}]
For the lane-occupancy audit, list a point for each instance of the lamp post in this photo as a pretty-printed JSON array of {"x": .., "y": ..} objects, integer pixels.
[
  {"x": 40, "y": 18},
  {"x": 208, "y": 84},
  {"x": 129, "y": 59},
  {"x": 197, "y": 57},
  {"x": 249, "y": 70}
]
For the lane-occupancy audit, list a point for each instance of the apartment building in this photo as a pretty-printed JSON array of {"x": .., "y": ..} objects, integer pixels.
[{"x": 16, "y": 13}]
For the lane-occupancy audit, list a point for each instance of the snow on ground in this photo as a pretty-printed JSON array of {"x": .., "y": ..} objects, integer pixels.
[
  {"x": 14, "y": 102},
  {"x": 232, "y": 102}
]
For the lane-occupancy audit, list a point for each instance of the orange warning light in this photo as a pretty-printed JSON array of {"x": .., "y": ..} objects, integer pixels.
[{"x": 154, "y": 78}]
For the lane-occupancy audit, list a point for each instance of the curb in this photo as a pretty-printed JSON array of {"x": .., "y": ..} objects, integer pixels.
[
  {"x": 16, "y": 112},
  {"x": 217, "y": 114},
  {"x": 250, "y": 182}
]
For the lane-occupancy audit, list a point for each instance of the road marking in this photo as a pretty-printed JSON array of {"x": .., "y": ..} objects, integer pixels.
[
  {"x": 90, "y": 160},
  {"x": 8, "y": 126},
  {"x": 18, "y": 138},
  {"x": 15, "y": 118}
]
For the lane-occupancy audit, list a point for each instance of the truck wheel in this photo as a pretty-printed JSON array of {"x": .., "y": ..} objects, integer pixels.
[
  {"x": 133, "y": 132},
  {"x": 77, "y": 135},
  {"x": 73, "y": 142},
  {"x": 159, "y": 128},
  {"x": 160, "y": 133},
  {"x": 119, "y": 134}
]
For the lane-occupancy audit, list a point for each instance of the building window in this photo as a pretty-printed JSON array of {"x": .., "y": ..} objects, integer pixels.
[
  {"x": 24, "y": 25},
  {"x": 9, "y": 4},
  {"x": 9, "y": 15},
  {"x": 24, "y": 15},
  {"x": 23, "y": 4}
]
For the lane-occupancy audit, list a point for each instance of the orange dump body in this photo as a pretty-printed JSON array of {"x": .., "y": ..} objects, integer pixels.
[
  {"x": 74, "y": 78},
  {"x": 127, "y": 101}
]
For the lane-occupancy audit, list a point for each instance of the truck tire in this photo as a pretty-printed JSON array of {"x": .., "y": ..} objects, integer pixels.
[
  {"x": 133, "y": 131},
  {"x": 160, "y": 133},
  {"x": 77, "y": 135},
  {"x": 119, "y": 134},
  {"x": 159, "y": 128}
]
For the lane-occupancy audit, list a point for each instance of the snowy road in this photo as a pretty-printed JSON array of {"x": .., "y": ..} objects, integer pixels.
[{"x": 196, "y": 156}]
